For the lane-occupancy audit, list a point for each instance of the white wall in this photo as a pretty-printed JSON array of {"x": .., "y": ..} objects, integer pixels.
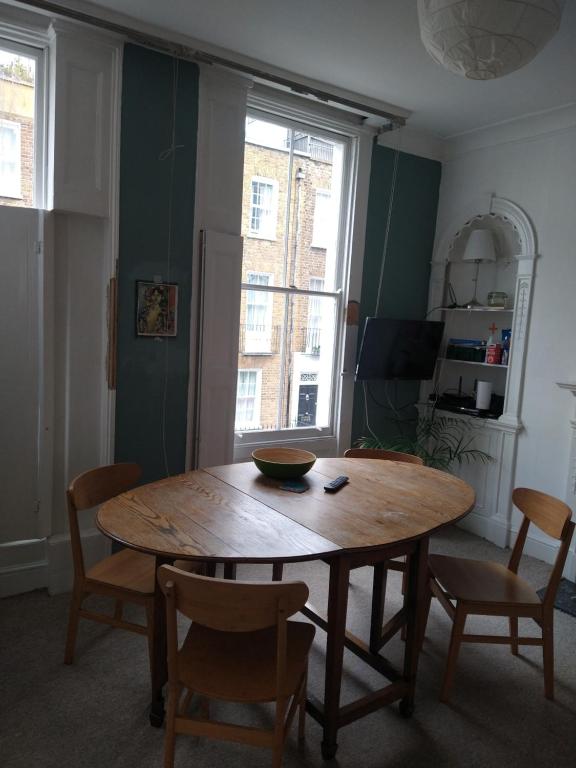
[{"x": 533, "y": 163}]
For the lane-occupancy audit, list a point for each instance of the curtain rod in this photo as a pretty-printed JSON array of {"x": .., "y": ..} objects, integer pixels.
[{"x": 185, "y": 52}]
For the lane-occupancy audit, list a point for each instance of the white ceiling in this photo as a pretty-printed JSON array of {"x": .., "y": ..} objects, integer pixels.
[{"x": 373, "y": 48}]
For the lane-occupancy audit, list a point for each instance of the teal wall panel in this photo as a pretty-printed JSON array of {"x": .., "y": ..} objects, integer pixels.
[
  {"x": 406, "y": 274},
  {"x": 159, "y": 103}
]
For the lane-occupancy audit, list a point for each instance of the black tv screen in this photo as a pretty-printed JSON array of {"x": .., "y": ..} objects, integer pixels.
[{"x": 399, "y": 349}]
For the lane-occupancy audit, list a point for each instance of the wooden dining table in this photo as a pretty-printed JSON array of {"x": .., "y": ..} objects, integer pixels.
[{"x": 233, "y": 514}]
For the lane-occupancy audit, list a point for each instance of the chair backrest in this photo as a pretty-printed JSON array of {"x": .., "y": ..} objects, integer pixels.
[
  {"x": 553, "y": 517},
  {"x": 381, "y": 453},
  {"x": 231, "y": 606},
  {"x": 90, "y": 489}
]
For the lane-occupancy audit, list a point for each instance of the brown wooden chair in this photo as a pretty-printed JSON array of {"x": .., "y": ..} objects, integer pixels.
[
  {"x": 382, "y": 454},
  {"x": 240, "y": 647},
  {"x": 492, "y": 589},
  {"x": 126, "y": 576},
  {"x": 378, "y": 633}
]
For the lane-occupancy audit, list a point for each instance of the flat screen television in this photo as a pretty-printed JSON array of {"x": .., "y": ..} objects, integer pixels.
[{"x": 399, "y": 349}]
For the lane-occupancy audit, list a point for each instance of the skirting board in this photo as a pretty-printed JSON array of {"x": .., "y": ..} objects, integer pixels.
[
  {"x": 16, "y": 579},
  {"x": 23, "y": 566},
  {"x": 46, "y": 563},
  {"x": 495, "y": 531}
]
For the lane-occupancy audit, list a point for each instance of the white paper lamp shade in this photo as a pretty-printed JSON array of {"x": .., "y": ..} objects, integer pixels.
[
  {"x": 480, "y": 246},
  {"x": 485, "y": 39}
]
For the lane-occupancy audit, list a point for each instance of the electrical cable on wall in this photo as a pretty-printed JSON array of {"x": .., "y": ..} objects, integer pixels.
[{"x": 169, "y": 154}]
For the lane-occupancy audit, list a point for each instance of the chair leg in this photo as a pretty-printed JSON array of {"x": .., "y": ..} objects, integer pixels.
[
  {"x": 548, "y": 657},
  {"x": 169, "y": 739},
  {"x": 73, "y": 620},
  {"x": 210, "y": 569},
  {"x": 514, "y": 634},
  {"x": 230, "y": 571},
  {"x": 279, "y": 733},
  {"x": 277, "y": 571},
  {"x": 455, "y": 642}
]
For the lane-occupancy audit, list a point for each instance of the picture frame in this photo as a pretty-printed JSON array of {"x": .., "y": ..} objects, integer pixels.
[{"x": 156, "y": 309}]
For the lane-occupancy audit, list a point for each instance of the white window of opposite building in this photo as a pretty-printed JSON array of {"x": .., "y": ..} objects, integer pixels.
[
  {"x": 263, "y": 208},
  {"x": 323, "y": 219},
  {"x": 258, "y": 326},
  {"x": 314, "y": 327},
  {"x": 10, "y": 183},
  {"x": 248, "y": 399}
]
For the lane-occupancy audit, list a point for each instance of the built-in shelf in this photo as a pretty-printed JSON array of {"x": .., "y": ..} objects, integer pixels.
[
  {"x": 471, "y": 362},
  {"x": 475, "y": 309}
]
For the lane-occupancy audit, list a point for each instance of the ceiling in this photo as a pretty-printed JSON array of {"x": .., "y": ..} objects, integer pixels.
[{"x": 373, "y": 48}]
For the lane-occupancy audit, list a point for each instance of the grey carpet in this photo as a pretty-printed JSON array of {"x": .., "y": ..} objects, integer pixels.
[
  {"x": 565, "y": 597},
  {"x": 94, "y": 714}
]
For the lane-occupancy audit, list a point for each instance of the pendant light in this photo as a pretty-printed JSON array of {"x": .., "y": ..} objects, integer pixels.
[{"x": 486, "y": 39}]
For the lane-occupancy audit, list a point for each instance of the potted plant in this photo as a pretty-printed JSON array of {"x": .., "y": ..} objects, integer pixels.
[{"x": 440, "y": 441}]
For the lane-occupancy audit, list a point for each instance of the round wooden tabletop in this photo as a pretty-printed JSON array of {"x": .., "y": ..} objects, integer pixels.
[{"x": 235, "y": 513}]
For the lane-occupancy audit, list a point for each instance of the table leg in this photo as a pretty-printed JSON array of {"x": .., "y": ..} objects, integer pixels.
[
  {"x": 380, "y": 572},
  {"x": 415, "y": 605},
  {"x": 230, "y": 571},
  {"x": 337, "y": 607},
  {"x": 158, "y": 655}
]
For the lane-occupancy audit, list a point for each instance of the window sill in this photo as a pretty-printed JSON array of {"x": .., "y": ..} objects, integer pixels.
[{"x": 270, "y": 238}]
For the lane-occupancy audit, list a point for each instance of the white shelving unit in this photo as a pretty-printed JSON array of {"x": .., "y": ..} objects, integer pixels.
[
  {"x": 512, "y": 273},
  {"x": 453, "y": 374}
]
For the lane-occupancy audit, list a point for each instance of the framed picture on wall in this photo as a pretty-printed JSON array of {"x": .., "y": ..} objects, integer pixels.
[{"x": 156, "y": 309}]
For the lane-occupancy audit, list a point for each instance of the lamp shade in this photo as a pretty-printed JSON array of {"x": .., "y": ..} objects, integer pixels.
[
  {"x": 485, "y": 39},
  {"x": 480, "y": 246}
]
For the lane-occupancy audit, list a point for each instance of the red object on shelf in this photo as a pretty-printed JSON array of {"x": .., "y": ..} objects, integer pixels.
[{"x": 494, "y": 354}]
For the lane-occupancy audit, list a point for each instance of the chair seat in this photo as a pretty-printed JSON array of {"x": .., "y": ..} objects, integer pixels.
[
  {"x": 241, "y": 666},
  {"x": 133, "y": 571},
  {"x": 476, "y": 581}
]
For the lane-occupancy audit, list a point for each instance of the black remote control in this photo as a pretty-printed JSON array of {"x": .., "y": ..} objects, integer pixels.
[{"x": 336, "y": 484}]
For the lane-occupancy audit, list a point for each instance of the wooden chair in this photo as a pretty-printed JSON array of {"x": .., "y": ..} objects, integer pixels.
[
  {"x": 126, "y": 576},
  {"x": 492, "y": 589},
  {"x": 240, "y": 647},
  {"x": 382, "y": 454},
  {"x": 379, "y": 634}
]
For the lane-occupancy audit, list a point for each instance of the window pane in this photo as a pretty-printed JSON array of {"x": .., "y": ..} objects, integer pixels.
[
  {"x": 290, "y": 221},
  {"x": 17, "y": 105},
  {"x": 292, "y": 196},
  {"x": 295, "y": 357}
]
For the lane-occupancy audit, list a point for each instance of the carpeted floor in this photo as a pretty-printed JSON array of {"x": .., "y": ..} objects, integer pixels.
[{"x": 94, "y": 714}]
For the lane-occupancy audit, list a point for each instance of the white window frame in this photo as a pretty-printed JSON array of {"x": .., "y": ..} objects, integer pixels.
[
  {"x": 259, "y": 342},
  {"x": 358, "y": 140},
  {"x": 33, "y": 45},
  {"x": 320, "y": 235},
  {"x": 268, "y": 232},
  {"x": 12, "y": 187},
  {"x": 255, "y": 423}
]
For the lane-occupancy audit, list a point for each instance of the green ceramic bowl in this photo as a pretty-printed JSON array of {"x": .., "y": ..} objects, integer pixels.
[{"x": 283, "y": 463}]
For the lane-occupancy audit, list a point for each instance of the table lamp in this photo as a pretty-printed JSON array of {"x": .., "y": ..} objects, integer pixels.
[{"x": 479, "y": 248}]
